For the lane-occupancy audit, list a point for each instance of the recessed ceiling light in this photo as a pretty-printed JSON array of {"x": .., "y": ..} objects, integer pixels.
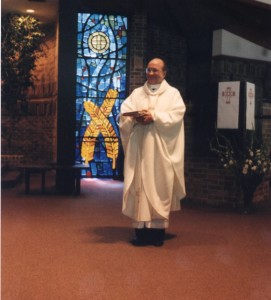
[{"x": 30, "y": 11}]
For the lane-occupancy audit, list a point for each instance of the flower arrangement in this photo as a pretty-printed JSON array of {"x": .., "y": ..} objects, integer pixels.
[{"x": 250, "y": 164}]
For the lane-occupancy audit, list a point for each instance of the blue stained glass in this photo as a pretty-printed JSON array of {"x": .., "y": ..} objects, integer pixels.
[{"x": 100, "y": 90}]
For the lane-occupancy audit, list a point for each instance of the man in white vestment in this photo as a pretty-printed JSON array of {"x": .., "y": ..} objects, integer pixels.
[{"x": 152, "y": 134}]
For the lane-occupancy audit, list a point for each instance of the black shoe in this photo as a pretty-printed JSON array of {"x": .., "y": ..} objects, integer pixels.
[
  {"x": 158, "y": 236},
  {"x": 138, "y": 243},
  {"x": 140, "y": 238},
  {"x": 158, "y": 243}
]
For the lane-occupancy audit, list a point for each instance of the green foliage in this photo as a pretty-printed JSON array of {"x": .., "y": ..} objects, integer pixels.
[
  {"x": 250, "y": 165},
  {"x": 21, "y": 46}
]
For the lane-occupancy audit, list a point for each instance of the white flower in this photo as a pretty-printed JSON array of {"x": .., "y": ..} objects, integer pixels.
[
  {"x": 245, "y": 169},
  {"x": 250, "y": 162},
  {"x": 231, "y": 162},
  {"x": 254, "y": 168},
  {"x": 251, "y": 153}
]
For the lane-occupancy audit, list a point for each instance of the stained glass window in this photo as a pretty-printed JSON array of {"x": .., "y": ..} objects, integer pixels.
[{"x": 100, "y": 90}]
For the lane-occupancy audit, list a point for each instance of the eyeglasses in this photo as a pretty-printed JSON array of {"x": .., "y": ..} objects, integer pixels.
[{"x": 149, "y": 70}]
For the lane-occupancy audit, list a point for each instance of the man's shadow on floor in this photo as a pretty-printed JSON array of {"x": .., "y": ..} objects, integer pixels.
[{"x": 115, "y": 234}]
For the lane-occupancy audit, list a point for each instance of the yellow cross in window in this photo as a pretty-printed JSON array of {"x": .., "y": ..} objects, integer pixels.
[{"x": 100, "y": 124}]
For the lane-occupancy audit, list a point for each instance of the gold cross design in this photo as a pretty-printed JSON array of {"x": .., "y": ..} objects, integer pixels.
[{"x": 100, "y": 124}]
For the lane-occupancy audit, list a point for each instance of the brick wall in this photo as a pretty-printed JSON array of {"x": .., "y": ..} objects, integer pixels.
[
  {"x": 207, "y": 182},
  {"x": 168, "y": 43},
  {"x": 138, "y": 45},
  {"x": 149, "y": 39},
  {"x": 265, "y": 118},
  {"x": 32, "y": 136},
  {"x": 234, "y": 69}
]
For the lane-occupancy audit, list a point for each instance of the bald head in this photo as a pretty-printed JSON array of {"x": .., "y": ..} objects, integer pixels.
[
  {"x": 159, "y": 62},
  {"x": 156, "y": 71}
]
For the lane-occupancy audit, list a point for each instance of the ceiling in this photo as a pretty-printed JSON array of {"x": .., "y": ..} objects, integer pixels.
[
  {"x": 45, "y": 10},
  {"x": 247, "y": 18}
]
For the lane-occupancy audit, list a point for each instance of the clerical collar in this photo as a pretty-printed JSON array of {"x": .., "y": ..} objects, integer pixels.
[{"x": 153, "y": 87}]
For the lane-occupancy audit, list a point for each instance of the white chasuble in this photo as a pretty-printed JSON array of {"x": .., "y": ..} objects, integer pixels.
[{"x": 154, "y": 154}]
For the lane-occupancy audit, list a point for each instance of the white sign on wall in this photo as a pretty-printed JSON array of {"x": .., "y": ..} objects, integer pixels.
[
  {"x": 250, "y": 106},
  {"x": 228, "y": 105}
]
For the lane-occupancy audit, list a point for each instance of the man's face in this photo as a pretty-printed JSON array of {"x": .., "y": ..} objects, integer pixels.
[{"x": 155, "y": 72}]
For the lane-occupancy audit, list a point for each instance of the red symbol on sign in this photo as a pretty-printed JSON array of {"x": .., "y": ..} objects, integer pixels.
[{"x": 228, "y": 93}]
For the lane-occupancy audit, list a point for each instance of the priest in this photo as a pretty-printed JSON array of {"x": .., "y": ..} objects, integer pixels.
[{"x": 152, "y": 135}]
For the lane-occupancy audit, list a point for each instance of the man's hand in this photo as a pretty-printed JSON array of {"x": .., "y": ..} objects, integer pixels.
[{"x": 144, "y": 118}]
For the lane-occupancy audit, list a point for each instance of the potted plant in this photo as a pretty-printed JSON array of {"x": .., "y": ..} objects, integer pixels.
[
  {"x": 250, "y": 165},
  {"x": 21, "y": 45}
]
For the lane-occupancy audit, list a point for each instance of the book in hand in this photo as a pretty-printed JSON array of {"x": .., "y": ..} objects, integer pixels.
[{"x": 132, "y": 114}]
